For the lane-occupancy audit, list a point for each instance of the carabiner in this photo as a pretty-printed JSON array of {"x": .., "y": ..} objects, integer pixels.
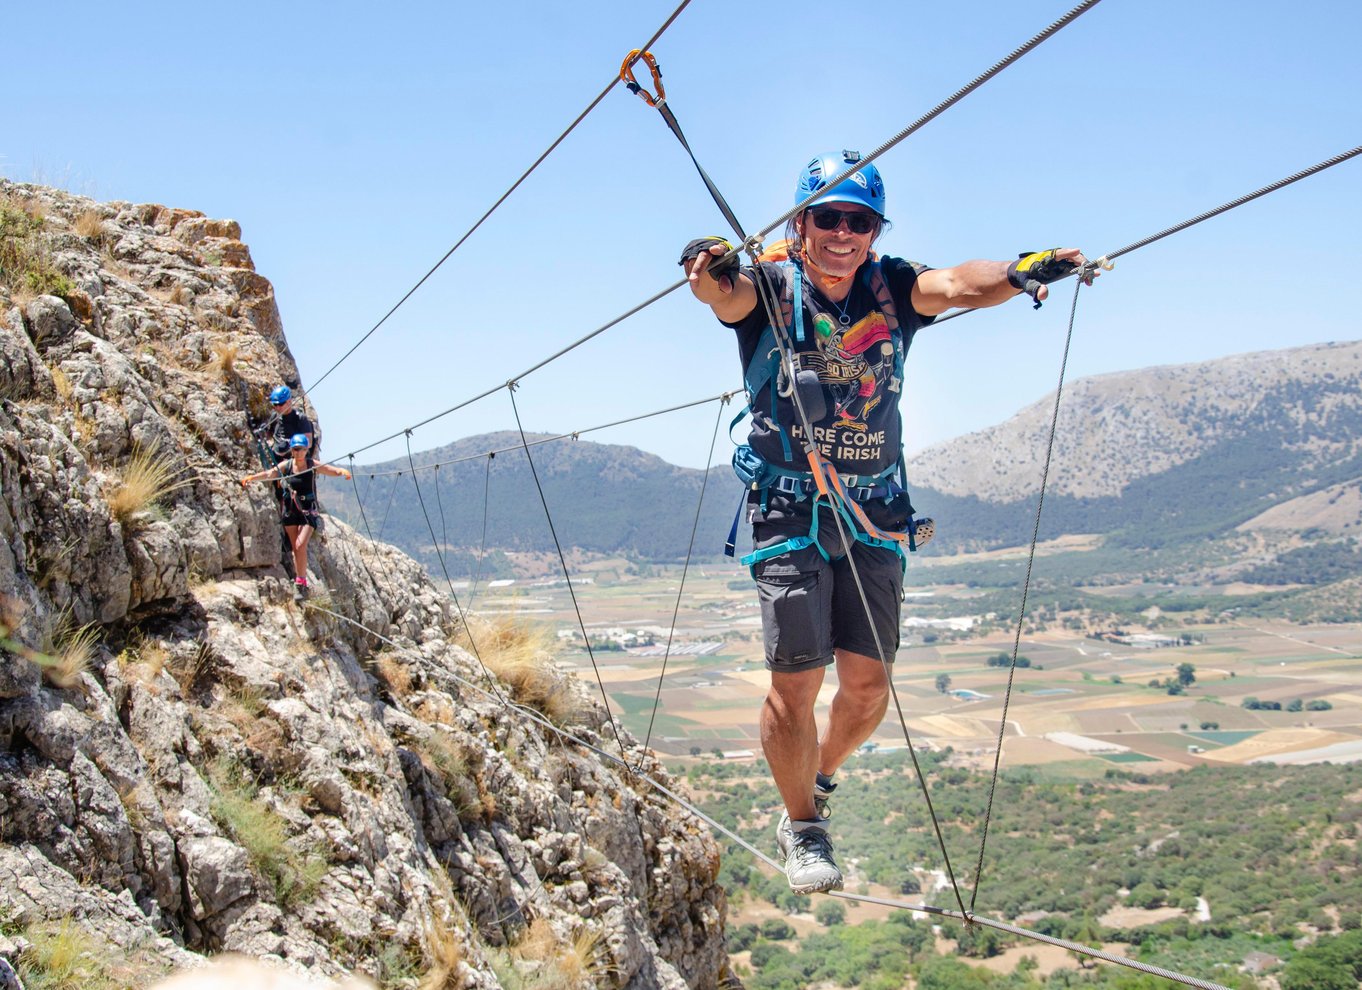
[{"x": 627, "y": 77}]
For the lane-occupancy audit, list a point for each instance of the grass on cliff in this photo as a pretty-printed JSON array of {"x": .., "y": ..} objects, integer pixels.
[
  {"x": 63, "y": 955},
  {"x": 26, "y": 264},
  {"x": 541, "y": 960},
  {"x": 264, "y": 834},
  {"x": 519, "y": 654},
  {"x": 67, "y": 649},
  {"x": 147, "y": 478}
]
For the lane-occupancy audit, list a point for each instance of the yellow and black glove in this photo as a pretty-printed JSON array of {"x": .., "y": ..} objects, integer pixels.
[
  {"x": 717, "y": 269},
  {"x": 1030, "y": 271}
]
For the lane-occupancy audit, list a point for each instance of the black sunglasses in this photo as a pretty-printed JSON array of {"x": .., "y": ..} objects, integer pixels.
[{"x": 828, "y": 218}]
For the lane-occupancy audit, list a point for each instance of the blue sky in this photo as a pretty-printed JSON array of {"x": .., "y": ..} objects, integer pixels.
[{"x": 355, "y": 147}]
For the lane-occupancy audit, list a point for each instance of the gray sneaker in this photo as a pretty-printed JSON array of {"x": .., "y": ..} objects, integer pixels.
[{"x": 809, "y": 866}]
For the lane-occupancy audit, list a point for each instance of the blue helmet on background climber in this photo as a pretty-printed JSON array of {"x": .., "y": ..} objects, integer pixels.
[
  {"x": 299, "y": 440},
  {"x": 865, "y": 187},
  {"x": 281, "y": 395}
]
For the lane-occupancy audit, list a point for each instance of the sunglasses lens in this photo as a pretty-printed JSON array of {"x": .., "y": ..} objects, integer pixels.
[{"x": 857, "y": 223}]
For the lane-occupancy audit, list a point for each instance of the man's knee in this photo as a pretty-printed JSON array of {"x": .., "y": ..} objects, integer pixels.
[
  {"x": 862, "y": 678},
  {"x": 796, "y": 692}
]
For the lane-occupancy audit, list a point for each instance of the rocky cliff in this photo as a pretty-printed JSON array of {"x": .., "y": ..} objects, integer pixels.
[{"x": 191, "y": 761}]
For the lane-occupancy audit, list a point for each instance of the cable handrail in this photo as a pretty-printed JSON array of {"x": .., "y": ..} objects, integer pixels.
[
  {"x": 940, "y": 108},
  {"x": 504, "y": 196},
  {"x": 571, "y": 435},
  {"x": 622, "y": 761}
]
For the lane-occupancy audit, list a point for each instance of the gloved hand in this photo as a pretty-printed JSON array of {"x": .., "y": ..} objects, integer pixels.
[
  {"x": 1035, "y": 269},
  {"x": 701, "y": 245}
]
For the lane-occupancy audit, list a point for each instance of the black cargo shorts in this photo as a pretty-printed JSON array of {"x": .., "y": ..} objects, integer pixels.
[{"x": 810, "y": 605}]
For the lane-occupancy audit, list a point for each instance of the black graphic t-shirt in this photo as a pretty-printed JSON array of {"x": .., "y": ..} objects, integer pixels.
[{"x": 854, "y": 351}]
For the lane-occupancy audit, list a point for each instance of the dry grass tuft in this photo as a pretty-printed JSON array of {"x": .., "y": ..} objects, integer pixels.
[
  {"x": 444, "y": 757},
  {"x": 394, "y": 673},
  {"x": 580, "y": 963},
  {"x": 223, "y": 360},
  {"x": 61, "y": 381},
  {"x": 90, "y": 225},
  {"x": 519, "y": 654},
  {"x": 435, "y": 709},
  {"x": 63, "y": 956},
  {"x": 67, "y": 650},
  {"x": 445, "y": 953},
  {"x": 148, "y": 477},
  {"x": 585, "y": 961}
]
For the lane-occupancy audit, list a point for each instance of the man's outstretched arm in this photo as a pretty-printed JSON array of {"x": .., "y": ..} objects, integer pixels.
[{"x": 979, "y": 284}]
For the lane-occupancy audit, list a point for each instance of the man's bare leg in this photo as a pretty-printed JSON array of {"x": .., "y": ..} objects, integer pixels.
[
  {"x": 858, "y": 707},
  {"x": 789, "y": 737}
]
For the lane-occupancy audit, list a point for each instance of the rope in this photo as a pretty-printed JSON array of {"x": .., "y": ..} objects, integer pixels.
[
  {"x": 1223, "y": 208},
  {"x": 685, "y": 569},
  {"x": 440, "y": 556},
  {"x": 482, "y": 547},
  {"x": 721, "y": 397},
  {"x": 1026, "y": 587},
  {"x": 368, "y": 532},
  {"x": 936, "y": 111},
  {"x": 392, "y": 493},
  {"x": 539, "y": 719},
  {"x": 514, "y": 186},
  {"x": 1273, "y": 187},
  {"x": 581, "y": 624}
]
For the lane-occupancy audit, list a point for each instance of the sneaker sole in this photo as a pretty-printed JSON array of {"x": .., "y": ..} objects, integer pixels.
[{"x": 817, "y": 888}]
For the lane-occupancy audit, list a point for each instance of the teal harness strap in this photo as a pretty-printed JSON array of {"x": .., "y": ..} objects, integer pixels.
[{"x": 764, "y": 370}]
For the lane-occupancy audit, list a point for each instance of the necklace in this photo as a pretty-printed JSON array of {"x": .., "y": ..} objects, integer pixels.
[{"x": 843, "y": 317}]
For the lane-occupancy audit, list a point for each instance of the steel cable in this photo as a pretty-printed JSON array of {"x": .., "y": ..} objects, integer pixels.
[
  {"x": 514, "y": 186},
  {"x": 936, "y": 111},
  {"x": 721, "y": 397},
  {"x": 685, "y": 569},
  {"x": 539, "y": 719},
  {"x": 1026, "y": 587},
  {"x": 562, "y": 559}
]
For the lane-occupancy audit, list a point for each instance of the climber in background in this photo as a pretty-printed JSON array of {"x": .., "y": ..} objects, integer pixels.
[{"x": 297, "y": 477}]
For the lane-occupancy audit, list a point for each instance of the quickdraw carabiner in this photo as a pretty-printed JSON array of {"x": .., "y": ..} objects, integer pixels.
[{"x": 627, "y": 77}]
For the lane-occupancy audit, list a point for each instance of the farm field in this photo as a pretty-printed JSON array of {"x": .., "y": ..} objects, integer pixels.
[{"x": 709, "y": 680}]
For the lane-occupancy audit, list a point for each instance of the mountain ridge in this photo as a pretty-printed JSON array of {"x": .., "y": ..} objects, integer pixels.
[{"x": 1144, "y": 457}]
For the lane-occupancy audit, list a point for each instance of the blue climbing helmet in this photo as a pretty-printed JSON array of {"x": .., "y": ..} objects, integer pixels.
[
  {"x": 281, "y": 395},
  {"x": 299, "y": 440},
  {"x": 865, "y": 187}
]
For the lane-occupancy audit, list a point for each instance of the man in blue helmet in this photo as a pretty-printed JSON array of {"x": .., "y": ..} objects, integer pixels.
[
  {"x": 829, "y": 568},
  {"x": 286, "y": 422}
]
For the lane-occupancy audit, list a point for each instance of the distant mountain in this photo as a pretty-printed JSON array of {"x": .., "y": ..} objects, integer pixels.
[
  {"x": 1164, "y": 454},
  {"x": 1146, "y": 458},
  {"x": 604, "y": 498}
]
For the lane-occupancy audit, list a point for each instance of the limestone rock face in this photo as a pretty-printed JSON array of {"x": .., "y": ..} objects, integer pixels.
[{"x": 326, "y": 785}]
